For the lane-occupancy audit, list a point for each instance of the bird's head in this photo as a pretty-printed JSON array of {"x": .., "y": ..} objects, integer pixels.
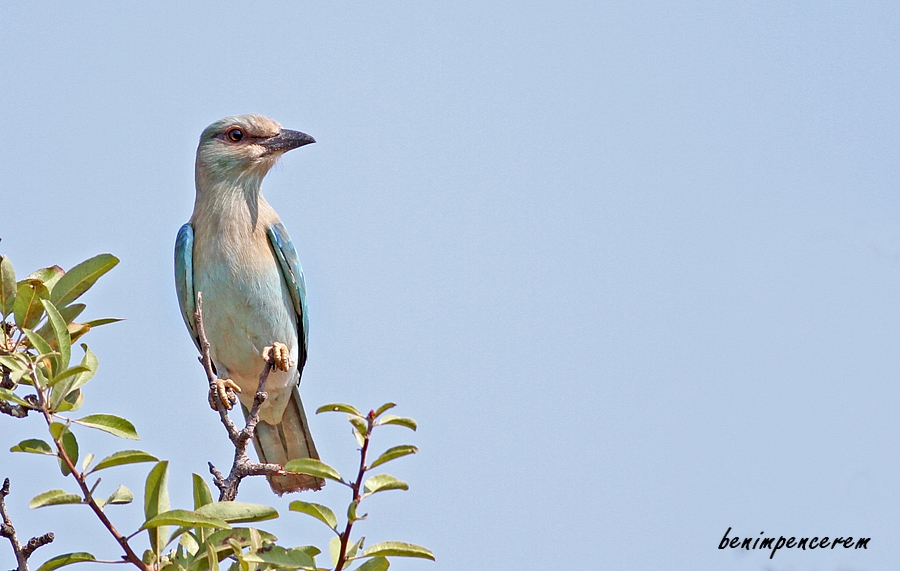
[{"x": 244, "y": 146}]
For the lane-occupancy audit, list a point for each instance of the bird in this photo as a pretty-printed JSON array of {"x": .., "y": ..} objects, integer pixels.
[{"x": 236, "y": 252}]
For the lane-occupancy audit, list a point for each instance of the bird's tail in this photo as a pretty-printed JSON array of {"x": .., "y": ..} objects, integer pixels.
[{"x": 288, "y": 440}]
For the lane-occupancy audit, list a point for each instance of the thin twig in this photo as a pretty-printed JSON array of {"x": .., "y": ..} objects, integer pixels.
[
  {"x": 129, "y": 556},
  {"x": 206, "y": 361},
  {"x": 242, "y": 466},
  {"x": 357, "y": 486},
  {"x": 8, "y": 531}
]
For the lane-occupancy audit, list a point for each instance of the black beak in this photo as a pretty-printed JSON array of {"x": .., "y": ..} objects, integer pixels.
[{"x": 285, "y": 141}]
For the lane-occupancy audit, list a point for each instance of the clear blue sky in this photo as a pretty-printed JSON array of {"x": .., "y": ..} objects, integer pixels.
[{"x": 634, "y": 267}]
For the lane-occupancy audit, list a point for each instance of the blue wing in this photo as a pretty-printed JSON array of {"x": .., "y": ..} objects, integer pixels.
[
  {"x": 293, "y": 277},
  {"x": 184, "y": 278}
]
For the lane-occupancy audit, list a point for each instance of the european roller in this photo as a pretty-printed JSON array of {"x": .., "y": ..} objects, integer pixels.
[{"x": 237, "y": 253}]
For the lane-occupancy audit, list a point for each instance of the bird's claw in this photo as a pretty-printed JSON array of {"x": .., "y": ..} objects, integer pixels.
[
  {"x": 224, "y": 392},
  {"x": 279, "y": 355}
]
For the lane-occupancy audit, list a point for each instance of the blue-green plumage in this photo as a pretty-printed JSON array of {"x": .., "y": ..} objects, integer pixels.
[{"x": 184, "y": 278}]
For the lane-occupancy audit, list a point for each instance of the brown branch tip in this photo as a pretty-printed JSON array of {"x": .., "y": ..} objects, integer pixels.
[{"x": 22, "y": 552}]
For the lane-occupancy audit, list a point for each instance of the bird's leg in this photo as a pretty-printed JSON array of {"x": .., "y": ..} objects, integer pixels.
[
  {"x": 223, "y": 391},
  {"x": 279, "y": 355}
]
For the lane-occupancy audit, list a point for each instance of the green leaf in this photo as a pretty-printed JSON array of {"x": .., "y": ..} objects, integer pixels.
[
  {"x": 184, "y": 518},
  {"x": 110, "y": 423},
  {"x": 70, "y": 372},
  {"x": 149, "y": 557},
  {"x": 76, "y": 330},
  {"x": 80, "y": 278},
  {"x": 189, "y": 542},
  {"x": 318, "y": 511},
  {"x": 13, "y": 362},
  {"x": 87, "y": 462},
  {"x": 49, "y": 275},
  {"x": 334, "y": 549},
  {"x": 9, "y": 395},
  {"x": 393, "y": 453},
  {"x": 122, "y": 495},
  {"x": 354, "y": 548},
  {"x": 338, "y": 407},
  {"x": 156, "y": 501},
  {"x": 17, "y": 368},
  {"x": 212, "y": 557},
  {"x": 313, "y": 468},
  {"x": 182, "y": 531},
  {"x": 20, "y": 377},
  {"x": 383, "y": 483},
  {"x": 7, "y": 286},
  {"x": 71, "y": 384},
  {"x": 53, "y": 498},
  {"x": 33, "y": 446},
  {"x": 397, "y": 549},
  {"x": 238, "y": 512},
  {"x": 105, "y": 321},
  {"x": 401, "y": 420},
  {"x": 73, "y": 401},
  {"x": 60, "y": 334},
  {"x": 351, "y": 512},
  {"x": 39, "y": 375},
  {"x": 57, "y": 429},
  {"x": 124, "y": 457},
  {"x": 70, "y": 446},
  {"x": 383, "y": 408},
  {"x": 41, "y": 346},
  {"x": 27, "y": 307},
  {"x": 361, "y": 426},
  {"x": 45, "y": 355},
  {"x": 89, "y": 360},
  {"x": 202, "y": 495},
  {"x": 221, "y": 540},
  {"x": 255, "y": 539},
  {"x": 67, "y": 559},
  {"x": 374, "y": 564},
  {"x": 68, "y": 314},
  {"x": 71, "y": 312},
  {"x": 280, "y": 557},
  {"x": 310, "y": 550}
]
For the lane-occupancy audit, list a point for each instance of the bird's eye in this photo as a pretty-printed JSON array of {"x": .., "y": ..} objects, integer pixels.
[{"x": 234, "y": 135}]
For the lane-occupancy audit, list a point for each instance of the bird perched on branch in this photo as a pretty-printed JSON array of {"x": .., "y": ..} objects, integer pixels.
[{"x": 237, "y": 253}]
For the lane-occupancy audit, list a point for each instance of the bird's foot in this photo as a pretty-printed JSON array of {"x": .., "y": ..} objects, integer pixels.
[
  {"x": 223, "y": 392},
  {"x": 279, "y": 355}
]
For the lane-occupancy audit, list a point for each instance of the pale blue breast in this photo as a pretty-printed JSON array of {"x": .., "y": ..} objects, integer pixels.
[{"x": 246, "y": 307}]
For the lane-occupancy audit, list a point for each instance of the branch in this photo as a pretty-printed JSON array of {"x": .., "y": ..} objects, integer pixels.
[
  {"x": 357, "y": 486},
  {"x": 130, "y": 556},
  {"x": 243, "y": 465},
  {"x": 8, "y": 531},
  {"x": 13, "y": 410}
]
